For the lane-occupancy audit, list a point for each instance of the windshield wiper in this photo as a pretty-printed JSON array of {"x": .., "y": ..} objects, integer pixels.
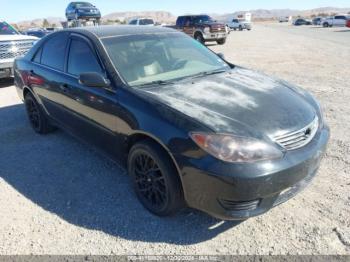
[
  {"x": 207, "y": 73},
  {"x": 158, "y": 82}
]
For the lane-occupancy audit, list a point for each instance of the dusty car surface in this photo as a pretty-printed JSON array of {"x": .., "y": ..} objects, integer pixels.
[{"x": 193, "y": 129}]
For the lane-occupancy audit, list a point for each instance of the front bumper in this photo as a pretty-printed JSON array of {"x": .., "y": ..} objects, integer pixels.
[
  {"x": 214, "y": 36},
  {"x": 247, "y": 26},
  {"x": 239, "y": 191},
  {"x": 89, "y": 15}
]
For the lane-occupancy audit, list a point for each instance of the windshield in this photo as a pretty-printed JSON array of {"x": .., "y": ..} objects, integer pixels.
[
  {"x": 202, "y": 19},
  {"x": 142, "y": 59},
  {"x": 6, "y": 29},
  {"x": 146, "y": 22},
  {"x": 79, "y": 5}
]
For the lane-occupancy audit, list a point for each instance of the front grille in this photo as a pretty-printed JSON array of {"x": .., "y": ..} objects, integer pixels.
[
  {"x": 299, "y": 138},
  {"x": 218, "y": 28},
  {"x": 239, "y": 206},
  {"x": 13, "y": 49}
]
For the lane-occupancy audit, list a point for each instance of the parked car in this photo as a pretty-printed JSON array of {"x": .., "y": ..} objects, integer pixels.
[
  {"x": 317, "y": 20},
  {"x": 142, "y": 21},
  {"x": 202, "y": 28},
  {"x": 301, "y": 21},
  {"x": 240, "y": 25},
  {"x": 283, "y": 19},
  {"x": 39, "y": 33},
  {"x": 53, "y": 29},
  {"x": 338, "y": 20},
  {"x": 192, "y": 129},
  {"x": 348, "y": 23},
  {"x": 12, "y": 45},
  {"x": 82, "y": 10}
]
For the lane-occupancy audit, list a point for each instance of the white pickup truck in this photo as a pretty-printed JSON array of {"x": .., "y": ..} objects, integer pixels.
[
  {"x": 239, "y": 24},
  {"x": 338, "y": 20},
  {"x": 12, "y": 45}
]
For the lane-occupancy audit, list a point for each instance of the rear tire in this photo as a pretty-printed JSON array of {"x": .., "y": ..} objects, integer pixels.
[
  {"x": 240, "y": 28},
  {"x": 325, "y": 25},
  {"x": 37, "y": 118},
  {"x": 155, "y": 179}
]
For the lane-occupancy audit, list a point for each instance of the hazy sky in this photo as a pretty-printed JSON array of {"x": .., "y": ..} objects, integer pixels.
[{"x": 18, "y": 10}]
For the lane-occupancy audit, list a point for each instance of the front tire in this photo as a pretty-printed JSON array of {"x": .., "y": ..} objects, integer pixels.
[
  {"x": 37, "y": 118},
  {"x": 325, "y": 25},
  {"x": 221, "y": 41},
  {"x": 155, "y": 179},
  {"x": 199, "y": 37}
]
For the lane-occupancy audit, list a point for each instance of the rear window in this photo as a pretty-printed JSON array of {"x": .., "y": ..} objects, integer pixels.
[{"x": 54, "y": 51}]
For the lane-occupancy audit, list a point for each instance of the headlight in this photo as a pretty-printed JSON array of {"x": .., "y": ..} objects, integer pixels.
[
  {"x": 236, "y": 149},
  {"x": 207, "y": 30}
]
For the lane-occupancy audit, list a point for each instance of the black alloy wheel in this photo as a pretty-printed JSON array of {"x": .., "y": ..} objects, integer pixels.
[
  {"x": 155, "y": 180},
  {"x": 37, "y": 118},
  {"x": 33, "y": 114}
]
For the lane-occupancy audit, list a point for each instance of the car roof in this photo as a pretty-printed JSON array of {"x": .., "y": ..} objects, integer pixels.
[{"x": 120, "y": 30}]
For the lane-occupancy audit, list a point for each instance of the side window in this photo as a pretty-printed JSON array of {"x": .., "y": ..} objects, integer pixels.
[
  {"x": 180, "y": 21},
  {"x": 133, "y": 22},
  {"x": 188, "y": 21},
  {"x": 81, "y": 59},
  {"x": 37, "y": 57},
  {"x": 54, "y": 51}
]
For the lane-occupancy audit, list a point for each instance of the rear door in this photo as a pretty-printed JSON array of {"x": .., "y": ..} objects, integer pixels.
[
  {"x": 47, "y": 74},
  {"x": 341, "y": 20},
  {"x": 91, "y": 111}
]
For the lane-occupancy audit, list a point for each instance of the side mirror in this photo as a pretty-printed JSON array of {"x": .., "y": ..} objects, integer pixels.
[
  {"x": 221, "y": 55},
  {"x": 94, "y": 79}
]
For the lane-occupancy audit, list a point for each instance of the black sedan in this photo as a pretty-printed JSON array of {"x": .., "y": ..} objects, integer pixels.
[
  {"x": 301, "y": 21},
  {"x": 82, "y": 10},
  {"x": 191, "y": 128},
  {"x": 37, "y": 33}
]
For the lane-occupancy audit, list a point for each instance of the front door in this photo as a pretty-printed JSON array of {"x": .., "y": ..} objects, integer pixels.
[{"x": 92, "y": 111}]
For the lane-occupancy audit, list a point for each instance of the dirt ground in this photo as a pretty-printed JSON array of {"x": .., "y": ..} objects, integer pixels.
[{"x": 59, "y": 196}]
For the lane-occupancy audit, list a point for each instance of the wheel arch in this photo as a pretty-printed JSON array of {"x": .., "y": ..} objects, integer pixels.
[
  {"x": 141, "y": 136},
  {"x": 27, "y": 90},
  {"x": 198, "y": 32}
]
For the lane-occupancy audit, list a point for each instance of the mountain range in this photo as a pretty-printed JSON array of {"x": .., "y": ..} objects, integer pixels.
[{"x": 167, "y": 17}]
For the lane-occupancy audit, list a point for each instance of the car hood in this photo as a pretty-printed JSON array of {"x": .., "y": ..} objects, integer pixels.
[
  {"x": 241, "y": 101},
  {"x": 16, "y": 37},
  {"x": 213, "y": 24}
]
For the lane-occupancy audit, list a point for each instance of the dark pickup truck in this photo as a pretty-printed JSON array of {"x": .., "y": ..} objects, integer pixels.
[{"x": 202, "y": 28}]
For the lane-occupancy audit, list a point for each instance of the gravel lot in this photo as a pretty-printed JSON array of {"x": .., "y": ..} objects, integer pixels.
[{"x": 59, "y": 196}]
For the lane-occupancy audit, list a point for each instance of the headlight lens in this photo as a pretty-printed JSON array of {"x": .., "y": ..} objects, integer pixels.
[
  {"x": 207, "y": 30},
  {"x": 236, "y": 149}
]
